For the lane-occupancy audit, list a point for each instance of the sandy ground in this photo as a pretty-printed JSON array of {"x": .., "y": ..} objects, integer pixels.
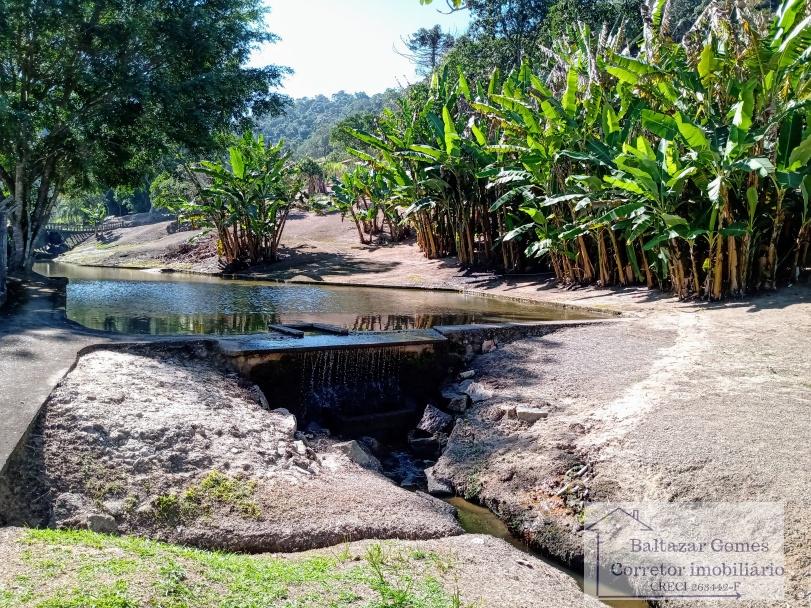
[{"x": 682, "y": 405}]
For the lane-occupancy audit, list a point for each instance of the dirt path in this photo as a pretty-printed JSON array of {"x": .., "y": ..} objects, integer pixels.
[
  {"x": 37, "y": 346},
  {"x": 672, "y": 405}
]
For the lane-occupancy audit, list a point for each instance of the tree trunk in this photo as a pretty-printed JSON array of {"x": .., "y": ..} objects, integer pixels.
[{"x": 3, "y": 261}]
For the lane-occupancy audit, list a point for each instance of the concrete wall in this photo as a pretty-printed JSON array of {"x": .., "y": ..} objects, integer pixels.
[{"x": 475, "y": 339}]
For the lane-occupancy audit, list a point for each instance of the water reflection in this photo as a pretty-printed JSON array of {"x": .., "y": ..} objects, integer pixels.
[{"x": 143, "y": 302}]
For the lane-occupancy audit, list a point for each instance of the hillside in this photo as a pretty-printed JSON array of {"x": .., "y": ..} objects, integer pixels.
[{"x": 307, "y": 123}]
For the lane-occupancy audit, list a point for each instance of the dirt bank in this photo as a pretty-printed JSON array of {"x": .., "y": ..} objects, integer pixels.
[
  {"x": 702, "y": 405},
  {"x": 165, "y": 444}
]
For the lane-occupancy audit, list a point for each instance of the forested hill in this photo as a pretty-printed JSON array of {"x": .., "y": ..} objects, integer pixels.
[{"x": 307, "y": 124}]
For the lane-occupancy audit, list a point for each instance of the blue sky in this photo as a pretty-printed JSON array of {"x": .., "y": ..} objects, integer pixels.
[{"x": 347, "y": 45}]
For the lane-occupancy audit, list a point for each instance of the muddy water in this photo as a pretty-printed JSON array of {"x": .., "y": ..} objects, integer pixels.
[
  {"x": 151, "y": 302},
  {"x": 480, "y": 520}
]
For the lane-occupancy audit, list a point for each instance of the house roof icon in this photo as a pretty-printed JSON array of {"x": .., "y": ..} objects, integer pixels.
[{"x": 619, "y": 514}]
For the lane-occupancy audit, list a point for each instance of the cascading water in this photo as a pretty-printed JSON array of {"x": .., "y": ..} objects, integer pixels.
[{"x": 354, "y": 381}]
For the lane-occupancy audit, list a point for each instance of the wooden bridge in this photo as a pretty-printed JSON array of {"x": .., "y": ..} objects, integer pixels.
[{"x": 76, "y": 234}]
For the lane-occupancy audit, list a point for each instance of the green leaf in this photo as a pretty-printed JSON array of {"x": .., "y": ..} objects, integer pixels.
[
  {"x": 800, "y": 155},
  {"x": 660, "y": 124},
  {"x": 693, "y": 135},
  {"x": 624, "y": 184},
  {"x": 762, "y": 165},
  {"x": 673, "y": 220},
  {"x": 622, "y": 74},
  {"x": 237, "y": 162},
  {"x": 611, "y": 123},
  {"x": 569, "y": 99},
  {"x": 434, "y": 153},
  {"x": 451, "y": 136},
  {"x": 464, "y": 87},
  {"x": 707, "y": 63}
]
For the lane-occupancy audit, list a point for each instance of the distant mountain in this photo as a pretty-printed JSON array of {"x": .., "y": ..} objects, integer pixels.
[{"x": 307, "y": 124}]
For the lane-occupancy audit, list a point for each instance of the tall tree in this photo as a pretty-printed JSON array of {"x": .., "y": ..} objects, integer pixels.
[
  {"x": 427, "y": 47},
  {"x": 94, "y": 90}
]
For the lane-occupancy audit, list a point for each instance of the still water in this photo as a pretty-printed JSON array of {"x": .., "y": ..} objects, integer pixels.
[{"x": 150, "y": 302}]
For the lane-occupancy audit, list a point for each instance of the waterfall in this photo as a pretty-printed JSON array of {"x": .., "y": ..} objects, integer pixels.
[{"x": 358, "y": 380}]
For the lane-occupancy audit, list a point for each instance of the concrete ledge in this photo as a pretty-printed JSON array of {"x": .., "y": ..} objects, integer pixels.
[{"x": 478, "y": 338}]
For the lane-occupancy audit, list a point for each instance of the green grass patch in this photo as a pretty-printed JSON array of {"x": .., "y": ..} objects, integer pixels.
[
  {"x": 215, "y": 490},
  {"x": 82, "y": 569}
]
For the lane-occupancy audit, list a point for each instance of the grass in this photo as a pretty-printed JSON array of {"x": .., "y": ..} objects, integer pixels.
[
  {"x": 215, "y": 490},
  {"x": 82, "y": 569}
]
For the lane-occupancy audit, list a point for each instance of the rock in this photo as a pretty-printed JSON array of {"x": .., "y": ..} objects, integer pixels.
[
  {"x": 358, "y": 454},
  {"x": 317, "y": 430},
  {"x": 439, "y": 504},
  {"x": 467, "y": 375},
  {"x": 489, "y": 346},
  {"x": 530, "y": 414},
  {"x": 289, "y": 426},
  {"x": 371, "y": 443},
  {"x": 476, "y": 391},
  {"x": 437, "y": 487},
  {"x": 434, "y": 420},
  {"x": 70, "y": 509},
  {"x": 104, "y": 524},
  {"x": 301, "y": 448},
  {"x": 508, "y": 411},
  {"x": 425, "y": 445},
  {"x": 457, "y": 402}
]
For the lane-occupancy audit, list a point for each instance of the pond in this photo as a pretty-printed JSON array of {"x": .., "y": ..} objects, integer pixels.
[{"x": 151, "y": 302}]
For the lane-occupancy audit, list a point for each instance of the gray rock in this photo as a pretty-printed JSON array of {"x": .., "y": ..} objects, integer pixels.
[
  {"x": 437, "y": 487},
  {"x": 70, "y": 509},
  {"x": 458, "y": 402},
  {"x": 434, "y": 420},
  {"x": 437, "y": 503},
  {"x": 489, "y": 346},
  {"x": 476, "y": 391},
  {"x": 467, "y": 375},
  {"x": 102, "y": 523},
  {"x": 357, "y": 453},
  {"x": 289, "y": 426},
  {"x": 371, "y": 443},
  {"x": 530, "y": 414},
  {"x": 427, "y": 446}
]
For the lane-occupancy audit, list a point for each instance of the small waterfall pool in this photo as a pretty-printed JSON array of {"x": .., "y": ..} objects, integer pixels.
[{"x": 150, "y": 302}]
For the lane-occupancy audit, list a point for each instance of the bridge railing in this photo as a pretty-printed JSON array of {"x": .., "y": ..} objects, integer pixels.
[{"x": 84, "y": 228}]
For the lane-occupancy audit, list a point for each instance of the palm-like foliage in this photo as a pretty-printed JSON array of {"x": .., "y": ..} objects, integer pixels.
[
  {"x": 246, "y": 200},
  {"x": 681, "y": 164}
]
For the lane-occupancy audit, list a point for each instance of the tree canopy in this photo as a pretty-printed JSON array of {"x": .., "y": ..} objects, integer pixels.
[{"x": 95, "y": 91}]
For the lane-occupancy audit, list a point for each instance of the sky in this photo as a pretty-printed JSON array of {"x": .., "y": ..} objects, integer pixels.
[{"x": 347, "y": 45}]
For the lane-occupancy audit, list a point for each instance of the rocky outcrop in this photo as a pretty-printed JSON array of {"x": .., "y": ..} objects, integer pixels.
[{"x": 163, "y": 443}]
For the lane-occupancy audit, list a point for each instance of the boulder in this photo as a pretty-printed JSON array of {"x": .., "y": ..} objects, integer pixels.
[
  {"x": 437, "y": 487},
  {"x": 530, "y": 414},
  {"x": 426, "y": 445},
  {"x": 288, "y": 425},
  {"x": 357, "y": 453},
  {"x": 489, "y": 346},
  {"x": 102, "y": 523},
  {"x": 467, "y": 374},
  {"x": 434, "y": 420},
  {"x": 371, "y": 443},
  {"x": 476, "y": 391},
  {"x": 456, "y": 400}
]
